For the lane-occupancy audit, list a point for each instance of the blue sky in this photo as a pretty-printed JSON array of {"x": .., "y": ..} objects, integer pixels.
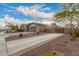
[
  {"x": 10, "y": 9},
  {"x": 28, "y": 12}
]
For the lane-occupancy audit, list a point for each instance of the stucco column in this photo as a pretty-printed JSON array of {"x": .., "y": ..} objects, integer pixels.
[{"x": 3, "y": 46}]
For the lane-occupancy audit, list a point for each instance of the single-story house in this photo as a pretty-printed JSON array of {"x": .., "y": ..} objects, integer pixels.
[
  {"x": 33, "y": 27},
  {"x": 24, "y": 27},
  {"x": 36, "y": 27}
]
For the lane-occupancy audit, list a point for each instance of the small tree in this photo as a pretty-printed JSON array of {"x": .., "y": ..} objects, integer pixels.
[
  {"x": 13, "y": 27},
  {"x": 69, "y": 12}
]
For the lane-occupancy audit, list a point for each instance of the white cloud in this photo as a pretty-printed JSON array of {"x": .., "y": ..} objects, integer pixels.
[
  {"x": 35, "y": 11},
  {"x": 9, "y": 20},
  {"x": 38, "y": 7},
  {"x": 47, "y": 9},
  {"x": 2, "y": 23}
]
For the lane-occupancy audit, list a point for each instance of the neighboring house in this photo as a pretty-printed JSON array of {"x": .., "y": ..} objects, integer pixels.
[
  {"x": 24, "y": 27},
  {"x": 36, "y": 27},
  {"x": 56, "y": 29}
]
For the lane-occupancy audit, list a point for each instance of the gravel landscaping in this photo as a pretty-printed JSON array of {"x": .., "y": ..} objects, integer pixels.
[
  {"x": 61, "y": 45},
  {"x": 17, "y": 37}
]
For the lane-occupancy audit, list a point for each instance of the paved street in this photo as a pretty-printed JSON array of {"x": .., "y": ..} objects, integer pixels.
[{"x": 18, "y": 47}]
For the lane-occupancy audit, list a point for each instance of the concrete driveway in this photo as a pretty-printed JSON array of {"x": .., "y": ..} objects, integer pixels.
[{"x": 19, "y": 47}]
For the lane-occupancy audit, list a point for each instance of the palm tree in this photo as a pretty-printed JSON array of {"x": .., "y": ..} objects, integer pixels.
[{"x": 69, "y": 12}]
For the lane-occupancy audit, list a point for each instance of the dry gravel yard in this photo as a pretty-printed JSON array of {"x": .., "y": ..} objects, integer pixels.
[
  {"x": 61, "y": 45},
  {"x": 16, "y": 36}
]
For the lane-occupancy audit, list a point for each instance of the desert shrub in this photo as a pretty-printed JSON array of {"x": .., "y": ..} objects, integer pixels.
[
  {"x": 20, "y": 35},
  {"x": 77, "y": 32},
  {"x": 50, "y": 53},
  {"x": 53, "y": 53},
  {"x": 72, "y": 35},
  {"x": 19, "y": 30},
  {"x": 13, "y": 27},
  {"x": 38, "y": 33}
]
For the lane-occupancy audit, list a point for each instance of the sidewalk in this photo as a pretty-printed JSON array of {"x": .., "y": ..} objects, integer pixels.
[
  {"x": 19, "y": 47},
  {"x": 3, "y": 49}
]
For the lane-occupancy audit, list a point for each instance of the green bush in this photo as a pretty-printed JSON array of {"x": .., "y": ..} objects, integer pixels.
[{"x": 13, "y": 27}]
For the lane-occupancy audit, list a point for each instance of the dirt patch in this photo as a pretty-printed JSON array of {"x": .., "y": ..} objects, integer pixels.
[
  {"x": 62, "y": 45},
  {"x": 16, "y": 37}
]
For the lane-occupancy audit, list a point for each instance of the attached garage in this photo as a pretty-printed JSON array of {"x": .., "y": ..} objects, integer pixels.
[
  {"x": 36, "y": 27},
  {"x": 59, "y": 30},
  {"x": 32, "y": 29}
]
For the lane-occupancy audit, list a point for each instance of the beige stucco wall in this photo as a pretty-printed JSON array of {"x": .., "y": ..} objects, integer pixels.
[
  {"x": 33, "y": 26},
  {"x": 38, "y": 27}
]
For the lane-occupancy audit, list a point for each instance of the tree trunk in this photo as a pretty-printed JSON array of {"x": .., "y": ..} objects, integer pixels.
[{"x": 72, "y": 32}]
